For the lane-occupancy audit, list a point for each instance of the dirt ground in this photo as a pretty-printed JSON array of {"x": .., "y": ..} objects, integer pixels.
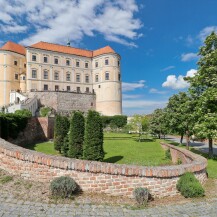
[{"x": 39, "y": 192}]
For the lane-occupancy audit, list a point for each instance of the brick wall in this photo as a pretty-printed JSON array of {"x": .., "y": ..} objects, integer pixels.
[
  {"x": 37, "y": 129},
  {"x": 112, "y": 179},
  {"x": 66, "y": 102}
]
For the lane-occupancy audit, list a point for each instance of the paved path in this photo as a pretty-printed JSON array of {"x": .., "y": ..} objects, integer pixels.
[
  {"x": 202, "y": 146},
  {"x": 11, "y": 207}
]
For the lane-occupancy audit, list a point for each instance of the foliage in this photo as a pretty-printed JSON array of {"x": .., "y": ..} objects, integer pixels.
[
  {"x": 93, "y": 138},
  {"x": 63, "y": 187},
  {"x": 65, "y": 147},
  {"x": 6, "y": 179},
  {"x": 76, "y": 135},
  {"x": 189, "y": 186},
  {"x": 159, "y": 122},
  {"x": 203, "y": 88},
  {"x": 45, "y": 111},
  {"x": 23, "y": 112},
  {"x": 12, "y": 124},
  {"x": 168, "y": 154},
  {"x": 116, "y": 121},
  {"x": 141, "y": 195},
  {"x": 61, "y": 128}
]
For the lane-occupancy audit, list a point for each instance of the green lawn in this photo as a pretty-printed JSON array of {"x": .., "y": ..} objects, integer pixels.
[
  {"x": 122, "y": 149},
  {"x": 212, "y": 163}
]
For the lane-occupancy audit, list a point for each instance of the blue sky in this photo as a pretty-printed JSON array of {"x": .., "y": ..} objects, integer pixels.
[{"x": 157, "y": 40}]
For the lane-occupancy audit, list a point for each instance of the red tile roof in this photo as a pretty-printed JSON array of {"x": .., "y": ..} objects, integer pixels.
[
  {"x": 71, "y": 50},
  {"x": 11, "y": 46}
]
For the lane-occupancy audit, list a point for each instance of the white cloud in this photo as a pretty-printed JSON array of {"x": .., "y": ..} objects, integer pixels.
[
  {"x": 128, "y": 96},
  {"x": 167, "y": 68},
  {"x": 56, "y": 20},
  {"x": 189, "y": 56},
  {"x": 132, "y": 86},
  {"x": 206, "y": 31},
  {"x": 177, "y": 83},
  {"x": 153, "y": 90}
]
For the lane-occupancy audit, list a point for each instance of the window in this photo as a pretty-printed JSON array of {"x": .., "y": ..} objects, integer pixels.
[
  {"x": 24, "y": 78},
  {"x": 118, "y": 63},
  {"x": 16, "y": 76},
  {"x": 77, "y": 63},
  {"x": 34, "y": 73},
  {"x": 45, "y": 59},
  {"x": 68, "y": 62},
  {"x": 33, "y": 57},
  {"x": 97, "y": 78},
  {"x": 56, "y": 87},
  {"x": 15, "y": 62},
  {"x": 55, "y": 60},
  {"x": 107, "y": 76},
  {"x": 96, "y": 64},
  {"x": 119, "y": 77},
  {"x": 87, "y": 78},
  {"x": 68, "y": 88},
  {"x": 78, "y": 89},
  {"x": 45, "y": 74},
  {"x": 106, "y": 61},
  {"x": 24, "y": 65},
  {"x": 99, "y": 86},
  {"x": 56, "y": 76},
  {"x": 87, "y": 90},
  {"x": 68, "y": 77},
  {"x": 77, "y": 78},
  {"x": 86, "y": 65},
  {"x": 45, "y": 87}
]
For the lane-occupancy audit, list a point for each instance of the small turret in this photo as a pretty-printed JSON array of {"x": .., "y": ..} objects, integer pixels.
[{"x": 68, "y": 43}]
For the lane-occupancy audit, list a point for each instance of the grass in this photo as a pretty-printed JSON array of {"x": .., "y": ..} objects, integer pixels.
[
  {"x": 5, "y": 179},
  {"x": 212, "y": 162},
  {"x": 44, "y": 147},
  {"x": 122, "y": 149}
]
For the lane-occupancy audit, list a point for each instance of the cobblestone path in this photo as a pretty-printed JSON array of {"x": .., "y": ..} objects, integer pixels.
[{"x": 11, "y": 207}]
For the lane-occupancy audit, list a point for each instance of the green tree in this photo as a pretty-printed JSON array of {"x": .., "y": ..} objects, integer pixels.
[
  {"x": 61, "y": 128},
  {"x": 159, "y": 122},
  {"x": 93, "y": 138},
  {"x": 203, "y": 88},
  {"x": 24, "y": 112},
  {"x": 76, "y": 135},
  {"x": 179, "y": 115}
]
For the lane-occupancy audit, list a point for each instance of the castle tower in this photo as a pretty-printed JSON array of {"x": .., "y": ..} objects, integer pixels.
[
  {"x": 107, "y": 81},
  {"x": 12, "y": 65}
]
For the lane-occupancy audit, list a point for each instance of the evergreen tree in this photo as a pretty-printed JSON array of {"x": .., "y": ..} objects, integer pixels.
[
  {"x": 76, "y": 135},
  {"x": 93, "y": 139},
  {"x": 61, "y": 129}
]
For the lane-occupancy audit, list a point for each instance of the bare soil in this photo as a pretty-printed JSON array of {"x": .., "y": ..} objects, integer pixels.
[{"x": 39, "y": 192}]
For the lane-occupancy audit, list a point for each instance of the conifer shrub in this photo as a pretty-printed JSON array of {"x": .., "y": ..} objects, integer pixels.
[
  {"x": 76, "y": 135},
  {"x": 93, "y": 138},
  {"x": 61, "y": 128},
  {"x": 141, "y": 195},
  {"x": 63, "y": 187},
  {"x": 189, "y": 186},
  {"x": 168, "y": 154}
]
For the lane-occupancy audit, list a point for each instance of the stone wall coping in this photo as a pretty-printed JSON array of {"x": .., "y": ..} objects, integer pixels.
[{"x": 198, "y": 163}]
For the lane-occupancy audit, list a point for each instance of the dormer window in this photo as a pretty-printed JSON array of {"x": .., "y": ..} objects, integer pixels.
[
  {"x": 68, "y": 62},
  {"x": 45, "y": 59}
]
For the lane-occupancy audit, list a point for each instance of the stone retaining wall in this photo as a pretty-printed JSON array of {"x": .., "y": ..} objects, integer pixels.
[{"x": 112, "y": 179}]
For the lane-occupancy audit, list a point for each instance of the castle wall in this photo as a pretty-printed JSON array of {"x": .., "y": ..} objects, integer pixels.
[{"x": 66, "y": 102}]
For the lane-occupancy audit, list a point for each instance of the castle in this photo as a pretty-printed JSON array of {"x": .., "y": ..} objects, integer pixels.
[{"x": 47, "y": 71}]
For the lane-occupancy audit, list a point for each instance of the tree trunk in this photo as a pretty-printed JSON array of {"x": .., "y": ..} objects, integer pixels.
[
  {"x": 181, "y": 139},
  {"x": 187, "y": 141},
  {"x": 210, "y": 149}
]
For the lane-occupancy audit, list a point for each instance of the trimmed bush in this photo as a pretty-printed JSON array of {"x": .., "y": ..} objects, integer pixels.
[
  {"x": 76, "y": 135},
  {"x": 141, "y": 195},
  {"x": 44, "y": 111},
  {"x": 61, "y": 128},
  {"x": 168, "y": 154},
  {"x": 93, "y": 138},
  {"x": 63, "y": 187},
  {"x": 189, "y": 186},
  {"x": 24, "y": 113}
]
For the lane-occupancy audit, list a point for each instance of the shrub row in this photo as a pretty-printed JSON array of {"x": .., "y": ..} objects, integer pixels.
[
  {"x": 12, "y": 124},
  {"x": 116, "y": 121}
]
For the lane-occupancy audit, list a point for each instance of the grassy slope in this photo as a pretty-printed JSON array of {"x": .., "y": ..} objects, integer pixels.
[
  {"x": 212, "y": 163},
  {"x": 122, "y": 149}
]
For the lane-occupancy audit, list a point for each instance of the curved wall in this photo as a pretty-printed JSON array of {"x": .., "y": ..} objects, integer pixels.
[{"x": 92, "y": 176}]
